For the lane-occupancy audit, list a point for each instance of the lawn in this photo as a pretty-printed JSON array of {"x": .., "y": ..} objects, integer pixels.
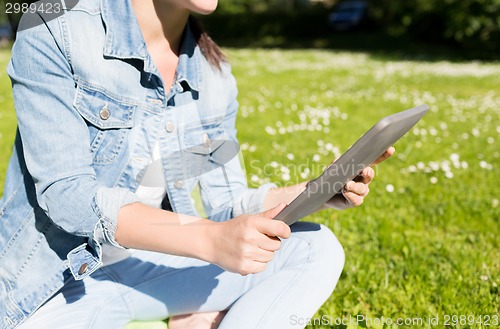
[{"x": 425, "y": 243}]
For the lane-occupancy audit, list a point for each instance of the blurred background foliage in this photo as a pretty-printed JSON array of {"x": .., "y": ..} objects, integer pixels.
[
  {"x": 470, "y": 26},
  {"x": 466, "y": 23}
]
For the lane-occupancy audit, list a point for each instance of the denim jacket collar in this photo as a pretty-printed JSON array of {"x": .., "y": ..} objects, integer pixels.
[
  {"x": 123, "y": 36},
  {"x": 189, "y": 66},
  {"x": 125, "y": 41}
]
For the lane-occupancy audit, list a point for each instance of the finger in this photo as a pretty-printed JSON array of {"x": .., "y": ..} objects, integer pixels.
[
  {"x": 273, "y": 212},
  {"x": 354, "y": 199},
  {"x": 270, "y": 243},
  {"x": 356, "y": 188},
  {"x": 258, "y": 267},
  {"x": 366, "y": 176},
  {"x": 387, "y": 154},
  {"x": 252, "y": 268},
  {"x": 264, "y": 256},
  {"x": 274, "y": 228}
]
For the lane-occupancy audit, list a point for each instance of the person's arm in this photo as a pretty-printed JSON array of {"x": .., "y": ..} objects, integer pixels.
[
  {"x": 243, "y": 244},
  {"x": 352, "y": 195}
]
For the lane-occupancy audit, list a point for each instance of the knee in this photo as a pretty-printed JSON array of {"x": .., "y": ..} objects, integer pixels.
[
  {"x": 330, "y": 259},
  {"x": 326, "y": 254},
  {"x": 328, "y": 251}
]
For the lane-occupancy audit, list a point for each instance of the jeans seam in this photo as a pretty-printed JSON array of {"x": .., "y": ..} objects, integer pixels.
[
  {"x": 288, "y": 285},
  {"x": 98, "y": 308},
  {"x": 112, "y": 275}
]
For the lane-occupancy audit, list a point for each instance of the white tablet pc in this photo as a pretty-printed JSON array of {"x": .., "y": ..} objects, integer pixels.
[{"x": 363, "y": 153}]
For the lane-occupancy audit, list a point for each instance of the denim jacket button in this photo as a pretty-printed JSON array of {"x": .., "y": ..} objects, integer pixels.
[
  {"x": 104, "y": 113},
  {"x": 155, "y": 101},
  {"x": 179, "y": 184},
  {"x": 170, "y": 127},
  {"x": 206, "y": 140},
  {"x": 83, "y": 268}
]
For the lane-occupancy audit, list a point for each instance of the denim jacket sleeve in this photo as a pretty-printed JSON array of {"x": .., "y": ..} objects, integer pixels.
[
  {"x": 55, "y": 140},
  {"x": 246, "y": 200}
]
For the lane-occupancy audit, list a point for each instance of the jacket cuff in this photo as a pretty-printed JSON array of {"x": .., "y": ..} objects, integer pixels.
[
  {"x": 107, "y": 204},
  {"x": 87, "y": 258},
  {"x": 252, "y": 201}
]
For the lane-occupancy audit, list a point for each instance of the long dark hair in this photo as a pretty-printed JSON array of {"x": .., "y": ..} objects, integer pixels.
[{"x": 208, "y": 47}]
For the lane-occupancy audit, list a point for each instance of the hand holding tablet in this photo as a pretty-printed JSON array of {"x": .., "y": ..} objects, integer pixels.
[{"x": 362, "y": 154}]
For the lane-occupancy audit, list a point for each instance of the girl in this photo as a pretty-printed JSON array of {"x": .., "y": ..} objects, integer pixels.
[{"x": 124, "y": 109}]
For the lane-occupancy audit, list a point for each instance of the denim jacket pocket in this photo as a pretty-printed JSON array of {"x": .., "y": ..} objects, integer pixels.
[{"x": 109, "y": 119}]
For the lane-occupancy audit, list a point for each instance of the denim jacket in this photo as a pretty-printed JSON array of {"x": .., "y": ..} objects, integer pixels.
[{"x": 91, "y": 105}]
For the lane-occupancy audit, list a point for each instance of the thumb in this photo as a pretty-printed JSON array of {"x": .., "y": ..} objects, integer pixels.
[{"x": 271, "y": 213}]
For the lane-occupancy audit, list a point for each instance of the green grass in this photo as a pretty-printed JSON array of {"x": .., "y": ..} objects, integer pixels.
[
  {"x": 7, "y": 117},
  {"x": 428, "y": 248}
]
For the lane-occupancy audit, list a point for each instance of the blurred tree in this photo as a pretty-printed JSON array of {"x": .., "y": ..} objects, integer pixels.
[
  {"x": 469, "y": 23},
  {"x": 3, "y": 17},
  {"x": 239, "y": 6}
]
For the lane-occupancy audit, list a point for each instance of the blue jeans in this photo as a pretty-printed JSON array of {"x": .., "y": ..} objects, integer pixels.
[{"x": 153, "y": 286}]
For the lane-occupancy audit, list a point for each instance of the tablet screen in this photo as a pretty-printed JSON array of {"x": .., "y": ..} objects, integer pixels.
[{"x": 359, "y": 156}]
